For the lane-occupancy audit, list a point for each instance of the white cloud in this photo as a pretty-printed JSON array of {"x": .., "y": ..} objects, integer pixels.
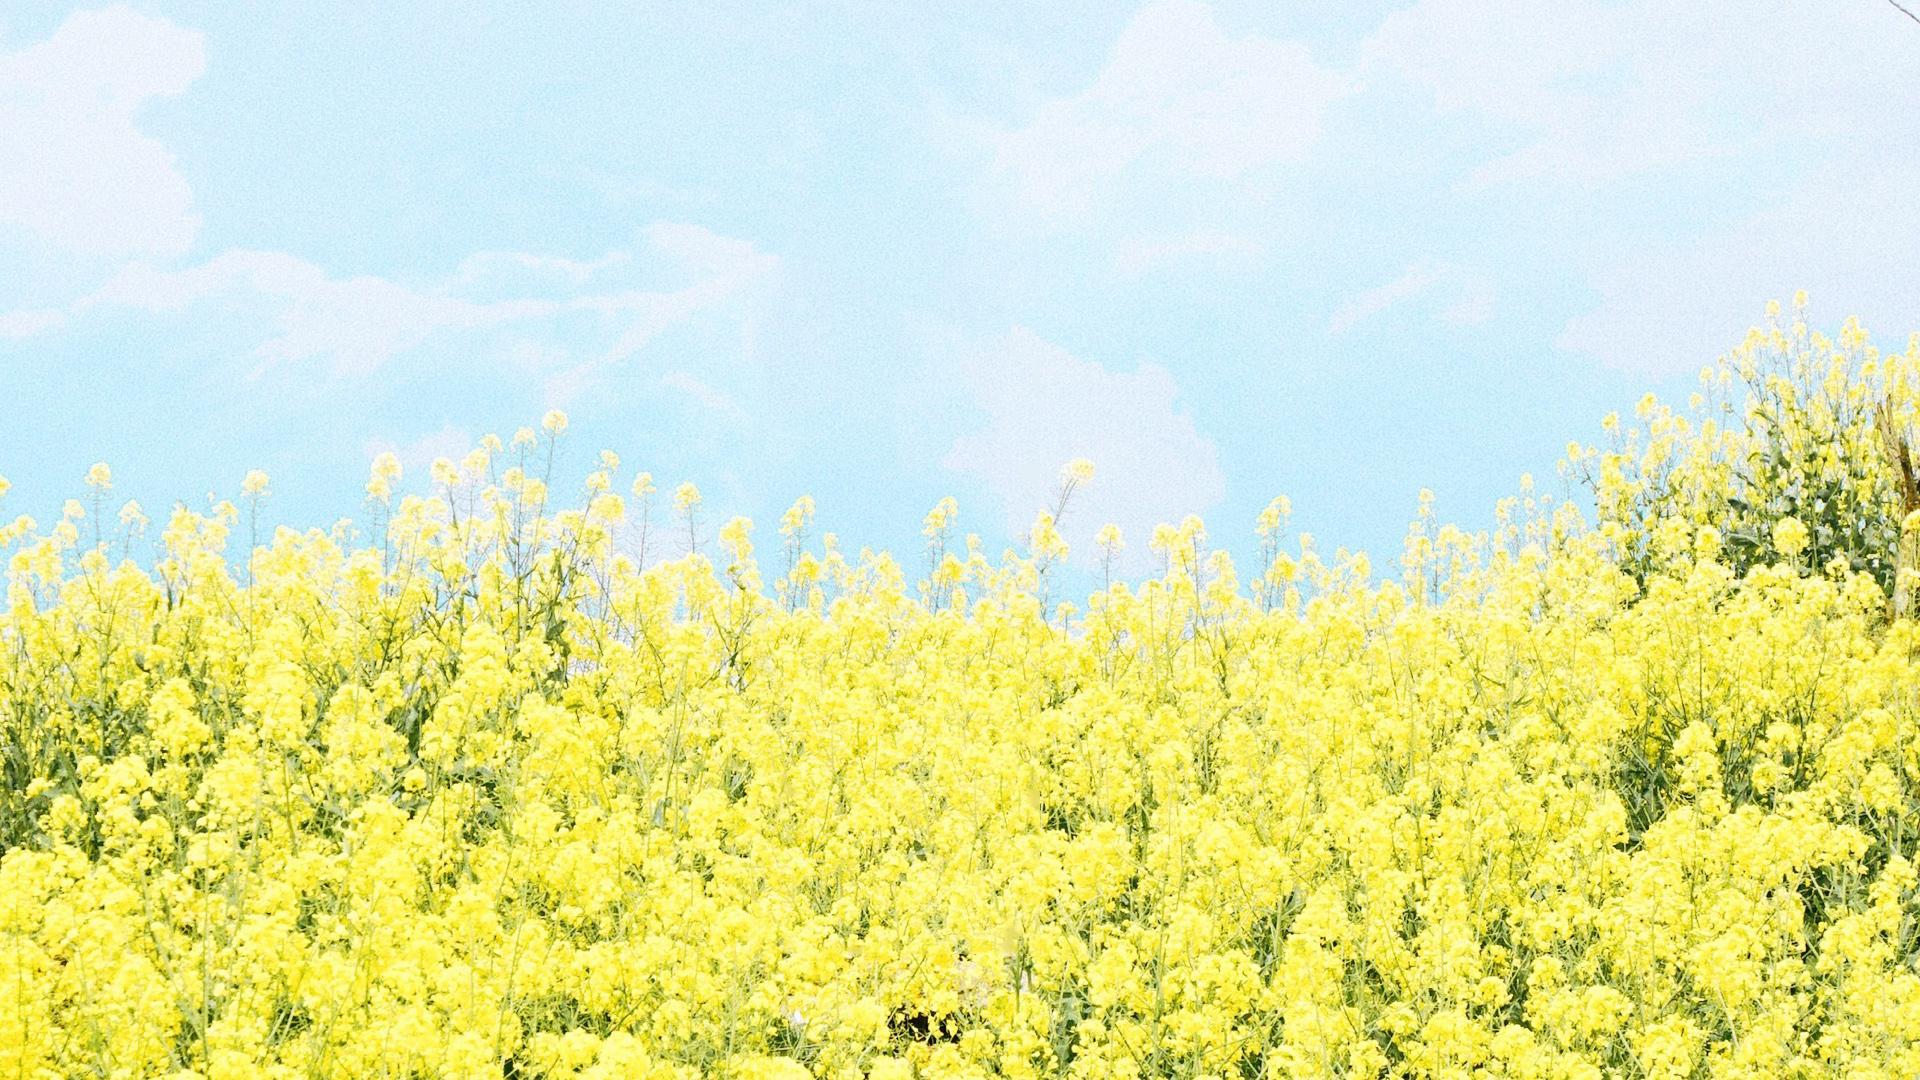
[
  {"x": 1143, "y": 253},
  {"x": 726, "y": 266},
  {"x": 1045, "y": 407},
  {"x": 1792, "y": 108},
  {"x": 356, "y": 325},
  {"x": 1521, "y": 62},
  {"x": 709, "y": 398},
  {"x": 1603, "y": 89},
  {"x": 646, "y": 314},
  {"x": 520, "y": 267},
  {"x": 1674, "y": 306},
  {"x": 75, "y": 168},
  {"x": 1180, "y": 93},
  {"x": 705, "y": 251},
  {"x": 1600, "y": 90},
  {"x": 1466, "y": 294},
  {"x": 30, "y": 322}
]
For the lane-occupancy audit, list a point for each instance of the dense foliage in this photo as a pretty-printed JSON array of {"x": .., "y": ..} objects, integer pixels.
[{"x": 498, "y": 794}]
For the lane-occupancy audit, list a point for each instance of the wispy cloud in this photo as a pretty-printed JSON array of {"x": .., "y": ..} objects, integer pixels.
[
  {"x": 1143, "y": 253},
  {"x": 725, "y": 265},
  {"x": 30, "y": 322},
  {"x": 707, "y": 397},
  {"x": 357, "y": 325},
  {"x": 1465, "y": 296},
  {"x": 509, "y": 268}
]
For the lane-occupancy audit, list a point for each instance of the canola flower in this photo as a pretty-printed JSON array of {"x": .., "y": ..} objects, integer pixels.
[{"x": 488, "y": 793}]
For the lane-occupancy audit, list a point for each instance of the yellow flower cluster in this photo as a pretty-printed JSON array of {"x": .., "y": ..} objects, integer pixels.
[
  {"x": 495, "y": 794},
  {"x": 1797, "y": 447}
]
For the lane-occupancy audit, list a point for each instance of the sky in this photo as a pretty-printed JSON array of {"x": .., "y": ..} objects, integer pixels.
[{"x": 884, "y": 253}]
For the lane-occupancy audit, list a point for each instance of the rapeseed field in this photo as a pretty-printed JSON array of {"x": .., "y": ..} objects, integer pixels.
[{"x": 519, "y": 778}]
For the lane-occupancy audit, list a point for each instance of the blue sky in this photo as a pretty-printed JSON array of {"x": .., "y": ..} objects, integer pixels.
[{"x": 883, "y": 253}]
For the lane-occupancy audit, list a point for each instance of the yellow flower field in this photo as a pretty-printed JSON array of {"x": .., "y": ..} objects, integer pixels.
[{"x": 485, "y": 790}]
